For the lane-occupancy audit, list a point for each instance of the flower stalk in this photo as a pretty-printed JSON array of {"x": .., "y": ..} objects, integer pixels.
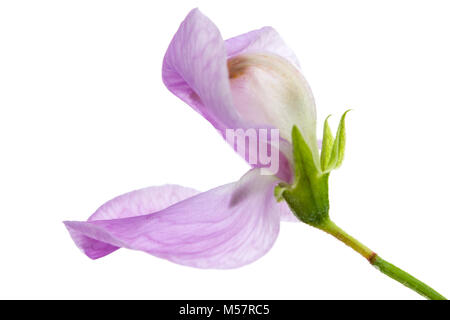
[
  {"x": 382, "y": 265},
  {"x": 308, "y": 199}
]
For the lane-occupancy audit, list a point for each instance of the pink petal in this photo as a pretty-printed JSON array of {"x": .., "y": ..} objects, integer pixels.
[
  {"x": 195, "y": 70},
  {"x": 139, "y": 202},
  {"x": 142, "y": 201},
  {"x": 195, "y": 66},
  {"x": 225, "y": 227},
  {"x": 266, "y": 39}
]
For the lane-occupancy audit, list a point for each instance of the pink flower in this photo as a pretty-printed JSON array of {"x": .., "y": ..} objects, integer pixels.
[{"x": 250, "y": 81}]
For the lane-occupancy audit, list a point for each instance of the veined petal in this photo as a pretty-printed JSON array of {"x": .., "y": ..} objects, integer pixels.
[
  {"x": 264, "y": 40},
  {"x": 225, "y": 227},
  {"x": 195, "y": 69},
  {"x": 138, "y": 202},
  {"x": 142, "y": 201}
]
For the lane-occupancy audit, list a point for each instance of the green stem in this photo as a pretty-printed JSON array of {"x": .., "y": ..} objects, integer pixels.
[{"x": 385, "y": 267}]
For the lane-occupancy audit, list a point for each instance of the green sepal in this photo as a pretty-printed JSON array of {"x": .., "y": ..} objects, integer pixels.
[
  {"x": 333, "y": 150},
  {"x": 303, "y": 157},
  {"x": 308, "y": 196},
  {"x": 327, "y": 145}
]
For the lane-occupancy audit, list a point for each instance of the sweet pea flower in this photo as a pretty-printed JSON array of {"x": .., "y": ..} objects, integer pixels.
[{"x": 250, "y": 81}]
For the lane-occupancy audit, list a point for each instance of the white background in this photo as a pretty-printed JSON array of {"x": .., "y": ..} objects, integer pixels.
[{"x": 84, "y": 116}]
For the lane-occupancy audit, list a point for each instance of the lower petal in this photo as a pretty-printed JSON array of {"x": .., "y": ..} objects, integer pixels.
[
  {"x": 225, "y": 227},
  {"x": 135, "y": 203}
]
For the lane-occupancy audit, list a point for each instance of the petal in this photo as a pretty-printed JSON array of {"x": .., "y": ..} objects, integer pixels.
[
  {"x": 267, "y": 88},
  {"x": 195, "y": 66},
  {"x": 226, "y": 227},
  {"x": 195, "y": 70},
  {"x": 264, "y": 40},
  {"x": 142, "y": 201},
  {"x": 139, "y": 202},
  {"x": 267, "y": 40}
]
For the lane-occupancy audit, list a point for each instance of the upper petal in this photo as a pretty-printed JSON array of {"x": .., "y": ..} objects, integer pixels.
[
  {"x": 226, "y": 227},
  {"x": 195, "y": 69},
  {"x": 264, "y": 40}
]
